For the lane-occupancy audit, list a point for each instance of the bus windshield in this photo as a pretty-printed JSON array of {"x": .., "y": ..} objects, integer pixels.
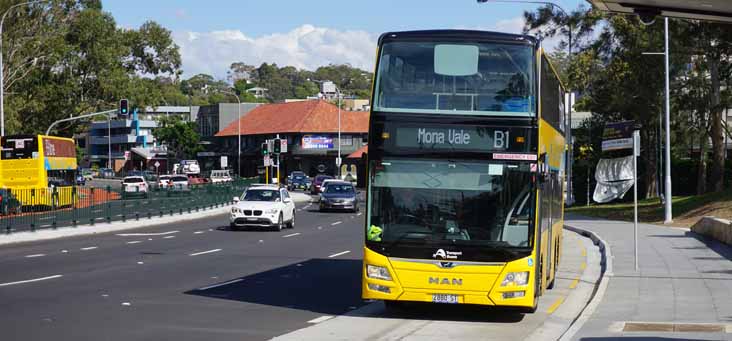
[
  {"x": 446, "y": 202},
  {"x": 19, "y": 147},
  {"x": 432, "y": 77}
]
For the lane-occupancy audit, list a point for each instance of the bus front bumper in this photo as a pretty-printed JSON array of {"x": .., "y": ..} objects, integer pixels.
[{"x": 425, "y": 281}]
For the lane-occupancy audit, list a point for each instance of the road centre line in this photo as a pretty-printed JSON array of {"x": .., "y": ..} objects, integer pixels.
[
  {"x": 338, "y": 254},
  {"x": 220, "y": 284},
  {"x": 88, "y": 248},
  {"x": 205, "y": 252},
  {"x": 36, "y": 255},
  {"x": 584, "y": 252},
  {"x": 134, "y": 242},
  {"x": 321, "y": 319},
  {"x": 146, "y": 234},
  {"x": 291, "y": 235},
  {"x": 574, "y": 283},
  {"x": 168, "y": 237},
  {"x": 359, "y": 214},
  {"x": 336, "y": 223},
  {"x": 583, "y": 266},
  {"x": 555, "y": 305},
  {"x": 198, "y": 232},
  {"x": 30, "y": 280}
]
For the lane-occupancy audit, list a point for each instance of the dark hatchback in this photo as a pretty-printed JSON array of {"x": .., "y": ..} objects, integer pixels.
[
  {"x": 298, "y": 180},
  {"x": 317, "y": 182},
  {"x": 339, "y": 195}
]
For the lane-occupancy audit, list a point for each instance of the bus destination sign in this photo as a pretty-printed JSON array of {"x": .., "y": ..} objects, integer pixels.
[{"x": 463, "y": 139}]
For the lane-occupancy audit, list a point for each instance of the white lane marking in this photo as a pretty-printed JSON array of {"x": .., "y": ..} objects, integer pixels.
[
  {"x": 205, "y": 252},
  {"x": 359, "y": 214},
  {"x": 36, "y": 255},
  {"x": 321, "y": 319},
  {"x": 149, "y": 239},
  {"x": 145, "y": 234},
  {"x": 291, "y": 235},
  {"x": 320, "y": 227},
  {"x": 338, "y": 254},
  {"x": 140, "y": 263},
  {"x": 30, "y": 280},
  {"x": 261, "y": 241},
  {"x": 64, "y": 251},
  {"x": 336, "y": 223},
  {"x": 168, "y": 237},
  {"x": 126, "y": 304},
  {"x": 220, "y": 284},
  {"x": 299, "y": 209},
  {"x": 135, "y": 242},
  {"x": 88, "y": 248},
  {"x": 198, "y": 232}
]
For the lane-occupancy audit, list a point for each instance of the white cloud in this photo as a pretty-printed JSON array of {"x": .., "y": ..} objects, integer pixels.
[{"x": 305, "y": 47}]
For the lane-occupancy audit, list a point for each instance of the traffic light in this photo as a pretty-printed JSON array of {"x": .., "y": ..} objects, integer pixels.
[
  {"x": 277, "y": 146},
  {"x": 265, "y": 150},
  {"x": 124, "y": 108}
]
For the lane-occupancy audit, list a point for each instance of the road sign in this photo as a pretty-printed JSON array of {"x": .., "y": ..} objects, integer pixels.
[
  {"x": 618, "y": 135},
  {"x": 224, "y": 162},
  {"x": 267, "y": 161},
  {"x": 338, "y": 161},
  {"x": 283, "y": 145},
  {"x": 156, "y": 164}
]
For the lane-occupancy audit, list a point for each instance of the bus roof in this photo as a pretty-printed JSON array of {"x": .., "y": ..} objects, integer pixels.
[{"x": 458, "y": 34}]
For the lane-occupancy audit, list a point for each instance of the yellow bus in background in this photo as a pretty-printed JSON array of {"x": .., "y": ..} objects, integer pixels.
[
  {"x": 39, "y": 170},
  {"x": 465, "y": 170}
]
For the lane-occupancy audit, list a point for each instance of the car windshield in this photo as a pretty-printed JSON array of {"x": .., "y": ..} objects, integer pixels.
[
  {"x": 133, "y": 180},
  {"x": 339, "y": 188},
  {"x": 261, "y": 195},
  {"x": 445, "y": 202},
  {"x": 165, "y": 177}
]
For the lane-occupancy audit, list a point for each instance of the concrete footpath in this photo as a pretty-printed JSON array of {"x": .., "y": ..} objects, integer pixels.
[
  {"x": 682, "y": 290},
  {"x": 86, "y": 229}
]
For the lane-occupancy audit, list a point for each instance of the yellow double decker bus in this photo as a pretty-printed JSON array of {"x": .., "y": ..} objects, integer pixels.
[
  {"x": 465, "y": 163},
  {"x": 39, "y": 170}
]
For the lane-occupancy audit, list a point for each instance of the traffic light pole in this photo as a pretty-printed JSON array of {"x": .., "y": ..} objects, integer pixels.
[{"x": 107, "y": 112}]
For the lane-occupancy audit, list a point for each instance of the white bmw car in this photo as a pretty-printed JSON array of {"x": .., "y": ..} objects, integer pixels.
[{"x": 263, "y": 207}]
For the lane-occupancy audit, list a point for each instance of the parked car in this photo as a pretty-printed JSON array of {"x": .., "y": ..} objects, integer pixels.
[
  {"x": 134, "y": 185},
  {"x": 339, "y": 195},
  {"x": 9, "y": 203},
  {"x": 87, "y": 173},
  {"x": 106, "y": 173},
  {"x": 219, "y": 176},
  {"x": 163, "y": 181},
  {"x": 80, "y": 179},
  {"x": 298, "y": 180},
  {"x": 178, "y": 183},
  {"x": 264, "y": 206},
  {"x": 317, "y": 182}
]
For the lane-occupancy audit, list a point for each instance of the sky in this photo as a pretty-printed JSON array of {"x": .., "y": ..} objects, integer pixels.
[{"x": 213, "y": 34}]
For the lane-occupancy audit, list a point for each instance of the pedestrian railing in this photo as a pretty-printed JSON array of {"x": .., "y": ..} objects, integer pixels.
[{"x": 50, "y": 208}]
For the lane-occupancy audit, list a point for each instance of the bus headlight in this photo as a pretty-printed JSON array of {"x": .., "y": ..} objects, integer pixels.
[
  {"x": 516, "y": 278},
  {"x": 378, "y": 272}
]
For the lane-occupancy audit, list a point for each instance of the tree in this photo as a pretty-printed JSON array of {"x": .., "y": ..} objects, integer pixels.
[{"x": 180, "y": 137}]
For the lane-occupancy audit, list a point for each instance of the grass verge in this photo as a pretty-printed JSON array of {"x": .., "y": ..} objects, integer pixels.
[{"x": 687, "y": 210}]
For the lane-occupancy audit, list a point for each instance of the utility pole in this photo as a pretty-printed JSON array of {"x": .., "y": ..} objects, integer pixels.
[{"x": 668, "y": 215}]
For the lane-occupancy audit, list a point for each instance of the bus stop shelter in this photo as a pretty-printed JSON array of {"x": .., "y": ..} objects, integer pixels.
[{"x": 710, "y": 10}]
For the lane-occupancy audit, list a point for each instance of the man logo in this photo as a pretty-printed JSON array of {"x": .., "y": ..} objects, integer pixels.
[
  {"x": 440, "y": 253},
  {"x": 445, "y": 281}
]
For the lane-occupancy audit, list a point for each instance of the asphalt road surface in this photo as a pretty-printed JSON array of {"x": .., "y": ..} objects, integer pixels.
[{"x": 195, "y": 280}]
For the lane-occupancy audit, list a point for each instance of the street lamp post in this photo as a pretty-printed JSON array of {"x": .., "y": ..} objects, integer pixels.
[
  {"x": 338, "y": 165},
  {"x": 2, "y": 80},
  {"x": 668, "y": 213},
  {"x": 570, "y": 151}
]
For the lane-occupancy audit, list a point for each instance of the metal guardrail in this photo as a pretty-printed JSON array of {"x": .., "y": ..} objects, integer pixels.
[{"x": 33, "y": 209}]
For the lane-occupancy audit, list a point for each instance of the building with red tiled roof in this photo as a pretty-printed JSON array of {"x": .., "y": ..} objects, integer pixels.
[{"x": 311, "y": 130}]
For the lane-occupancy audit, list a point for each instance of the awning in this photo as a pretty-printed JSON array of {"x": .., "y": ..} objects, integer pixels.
[
  {"x": 710, "y": 10},
  {"x": 359, "y": 153},
  {"x": 145, "y": 153}
]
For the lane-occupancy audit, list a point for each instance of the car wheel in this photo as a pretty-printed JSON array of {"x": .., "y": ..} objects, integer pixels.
[
  {"x": 280, "y": 223},
  {"x": 291, "y": 224},
  {"x": 232, "y": 227}
]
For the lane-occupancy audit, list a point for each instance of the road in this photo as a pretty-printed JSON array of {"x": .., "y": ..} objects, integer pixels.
[{"x": 196, "y": 280}]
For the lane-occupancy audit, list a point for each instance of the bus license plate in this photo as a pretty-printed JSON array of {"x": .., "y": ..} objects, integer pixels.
[{"x": 444, "y": 298}]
